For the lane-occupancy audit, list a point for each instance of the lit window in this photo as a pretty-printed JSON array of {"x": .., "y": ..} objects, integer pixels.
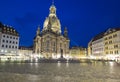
[
  {"x": 115, "y": 46},
  {"x": 106, "y": 43},
  {"x": 7, "y": 28},
  {"x": 111, "y": 52},
  {"x": 110, "y": 42},
  {"x": 106, "y": 38},
  {"x": 110, "y": 37},
  {"x": 106, "y": 52},
  {"x": 116, "y": 52},
  {"x": 115, "y": 35}
]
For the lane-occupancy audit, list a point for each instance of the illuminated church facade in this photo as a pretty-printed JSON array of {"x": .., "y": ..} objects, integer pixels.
[{"x": 50, "y": 42}]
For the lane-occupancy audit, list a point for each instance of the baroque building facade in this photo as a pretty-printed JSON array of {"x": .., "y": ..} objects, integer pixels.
[
  {"x": 112, "y": 41},
  {"x": 25, "y": 53},
  {"x": 89, "y": 49},
  {"x": 78, "y": 52},
  {"x": 106, "y": 44},
  {"x": 9, "y": 40},
  {"x": 98, "y": 45},
  {"x": 50, "y": 42}
]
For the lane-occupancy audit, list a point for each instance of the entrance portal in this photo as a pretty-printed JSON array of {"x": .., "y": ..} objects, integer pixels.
[{"x": 61, "y": 53}]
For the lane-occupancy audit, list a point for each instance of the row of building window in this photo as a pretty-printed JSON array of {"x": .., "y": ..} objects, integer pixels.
[
  {"x": 111, "y": 52},
  {"x": 115, "y": 46},
  {"x": 47, "y": 44},
  {"x": 98, "y": 49},
  {"x": 10, "y": 37},
  {"x": 110, "y": 42},
  {"x": 110, "y": 37},
  {"x": 9, "y": 41},
  {"x": 6, "y": 46},
  {"x": 7, "y": 51}
]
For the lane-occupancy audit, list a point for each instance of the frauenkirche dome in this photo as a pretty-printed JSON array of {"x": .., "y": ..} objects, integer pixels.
[{"x": 52, "y": 22}]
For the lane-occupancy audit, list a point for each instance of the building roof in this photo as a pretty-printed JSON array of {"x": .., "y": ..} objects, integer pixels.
[
  {"x": 25, "y": 48},
  {"x": 111, "y": 30},
  {"x": 98, "y": 36},
  {"x": 78, "y": 47},
  {"x": 102, "y": 34},
  {"x": 8, "y": 30}
]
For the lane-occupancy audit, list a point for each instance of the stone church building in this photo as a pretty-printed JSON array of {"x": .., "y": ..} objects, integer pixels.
[{"x": 50, "y": 42}]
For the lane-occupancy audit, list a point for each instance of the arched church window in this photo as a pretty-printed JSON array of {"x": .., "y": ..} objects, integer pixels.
[
  {"x": 65, "y": 46},
  {"x": 48, "y": 36},
  {"x": 53, "y": 46},
  {"x": 38, "y": 51},
  {"x": 47, "y": 45},
  {"x": 60, "y": 45}
]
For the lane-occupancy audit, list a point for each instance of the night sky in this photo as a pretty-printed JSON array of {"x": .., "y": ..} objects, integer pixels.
[{"x": 83, "y": 18}]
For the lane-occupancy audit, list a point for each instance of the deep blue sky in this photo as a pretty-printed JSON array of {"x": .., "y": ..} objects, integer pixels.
[{"x": 83, "y": 18}]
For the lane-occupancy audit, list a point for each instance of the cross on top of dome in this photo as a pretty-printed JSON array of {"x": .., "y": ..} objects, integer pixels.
[
  {"x": 53, "y": 8},
  {"x": 52, "y": 2}
]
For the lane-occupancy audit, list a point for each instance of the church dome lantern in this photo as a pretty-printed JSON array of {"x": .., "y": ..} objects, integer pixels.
[{"x": 52, "y": 10}]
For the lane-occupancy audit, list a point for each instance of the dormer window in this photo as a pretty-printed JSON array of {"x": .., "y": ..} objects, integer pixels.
[
  {"x": 109, "y": 31},
  {"x": 7, "y": 28},
  {"x": 114, "y": 30}
]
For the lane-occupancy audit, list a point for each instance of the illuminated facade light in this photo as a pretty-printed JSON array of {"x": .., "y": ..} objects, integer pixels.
[
  {"x": 49, "y": 42},
  {"x": 8, "y": 42},
  {"x": 106, "y": 44}
]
